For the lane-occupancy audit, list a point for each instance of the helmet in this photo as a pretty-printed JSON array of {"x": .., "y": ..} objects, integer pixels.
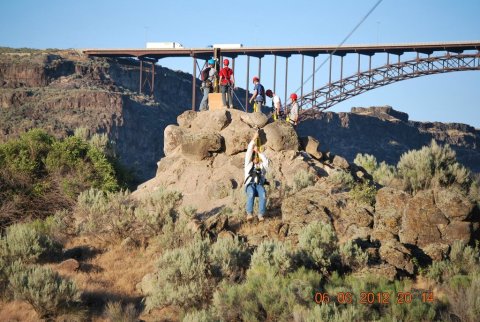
[
  {"x": 211, "y": 61},
  {"x": 226, "y": 62},
  {"x": 293, "y": 96},
  {"x": 256, "y": 79},
  {"x": 269, "y": 93}
]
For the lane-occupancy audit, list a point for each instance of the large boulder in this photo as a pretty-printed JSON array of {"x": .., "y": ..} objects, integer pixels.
[
  {"x": 186, "y": 118},
  {"x": 354, "y": 222},
  {"x": 211, "y": 121},
  {"x": 173, "y": 138},
  {"x": 341, "y": 162},
  {"x": 454, "y": 203},
  {"x": 386, "y": 270},
  {"x": 437, "y": 251},
  {"x": 303, "y": 208},
  {"x": 456, "y": 230},
  {"x": 198, "y": 147},
  {"x": 311, "y": 145},
  {"x": 389, "y": 208},
  {"x": 394, "y": 253},
  {"x": 281, "y": 136},
  {"x": 420, "y": 223},
  {"x": 256, "y": 119},
  {"x": 237, "y": 136}
]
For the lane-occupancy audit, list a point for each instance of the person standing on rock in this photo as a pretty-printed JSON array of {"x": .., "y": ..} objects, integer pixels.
[
  {"x": 208, "y": 75},
  {"x": 258, "y": 95},
  {"x": 256, "y": 166},
  {"x": 227, "y": 82},
  {"x": 293, "y": 115},
  {"x": 277, "y": 109}
]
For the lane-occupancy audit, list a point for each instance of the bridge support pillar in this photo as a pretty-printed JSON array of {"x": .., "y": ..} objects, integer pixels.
[
  {"x": 194, "y": 83},
  {"x": 143, "y": 81}
]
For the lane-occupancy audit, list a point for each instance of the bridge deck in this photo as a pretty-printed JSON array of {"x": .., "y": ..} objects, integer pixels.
[{"x": 397, "y": 49}]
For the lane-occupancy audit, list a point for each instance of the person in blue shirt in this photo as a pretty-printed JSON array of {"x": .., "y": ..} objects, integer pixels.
[{"x": 258, "y": 95}]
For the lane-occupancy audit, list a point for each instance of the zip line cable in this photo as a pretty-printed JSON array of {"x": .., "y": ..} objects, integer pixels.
[{"x": 341, "y": 44}]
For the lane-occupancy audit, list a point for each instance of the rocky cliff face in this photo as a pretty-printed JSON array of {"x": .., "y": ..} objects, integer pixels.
[
  {"x": 387, "y": 134},
  {"x": 65, "y": 90}
]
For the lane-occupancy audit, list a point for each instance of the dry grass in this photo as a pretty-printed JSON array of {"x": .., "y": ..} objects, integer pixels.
[
  {"x": 17, "y": 311},
  {"x": 108, "y": 273}
]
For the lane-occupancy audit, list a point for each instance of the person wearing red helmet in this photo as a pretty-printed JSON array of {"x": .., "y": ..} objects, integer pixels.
[
  {"x": 227, "y": 83},
  {"x": 276, "y": 104},
  {"x": 258, "y": 95},
  {"x": 293, "y": 116}
]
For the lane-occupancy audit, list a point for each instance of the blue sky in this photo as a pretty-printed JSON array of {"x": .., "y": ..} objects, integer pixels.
[{"x": 451, "y": 97}]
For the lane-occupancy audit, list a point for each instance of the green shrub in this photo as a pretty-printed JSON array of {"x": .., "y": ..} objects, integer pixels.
[
  {"x": 366, "y": 161},
  {"x": 364, "y": 192},
  {"x": 430, "y": 166},
  {"x": 200, "y": 316},
  {"x": 229, "y": 258},
  {"x": 266, "y": 295},
  {"x": 382, "y": 173},
  {"x": 175, "y": 233},
  {"x": 90, "y": 164},
  {"x": 183, "y": 277},
  {"x": 303, "y": 179},
  {"x": 463, "y": 260},
  {"x": 341, "y": 178},
  {"x": 26, "y": 242},
  {"x": 158, "y": 207},
  {"x": 117, "y": 312},
  {"x": 389, "y": 292},
  {"x": 110, "y": 213},
  {"x": 40, "y": 174},
  {"x": 353, "y": 256},
  {"x": 4, "y": 277},
  {"x": 26, "y": 154},
  {"x": 275, "y": 255},
  {"x": 463, "y": 298},
  {"x": 327, "y": 312},
  {"x": 318, "y": 245},
  {"x": 48, "y": 293},
  {"x": 82, "y": 132}
]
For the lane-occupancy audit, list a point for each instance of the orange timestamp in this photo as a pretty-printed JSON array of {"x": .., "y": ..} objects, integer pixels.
[{"x": 368, "y": 298}]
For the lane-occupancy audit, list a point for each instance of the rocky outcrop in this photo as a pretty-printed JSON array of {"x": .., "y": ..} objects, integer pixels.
[{"x": 204, "y": 160}]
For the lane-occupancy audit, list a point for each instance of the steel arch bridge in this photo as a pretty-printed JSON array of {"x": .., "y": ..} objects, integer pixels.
[
  {"x": 431, "y": 58},
  {"x": 345, "y": 88}
]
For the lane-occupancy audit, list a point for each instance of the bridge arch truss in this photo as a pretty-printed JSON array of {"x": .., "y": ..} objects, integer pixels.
[{"x": 360, "y": 82}]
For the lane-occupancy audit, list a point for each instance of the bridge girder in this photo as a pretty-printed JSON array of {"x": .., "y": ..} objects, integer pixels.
[{"x": 345, "y": 88}]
